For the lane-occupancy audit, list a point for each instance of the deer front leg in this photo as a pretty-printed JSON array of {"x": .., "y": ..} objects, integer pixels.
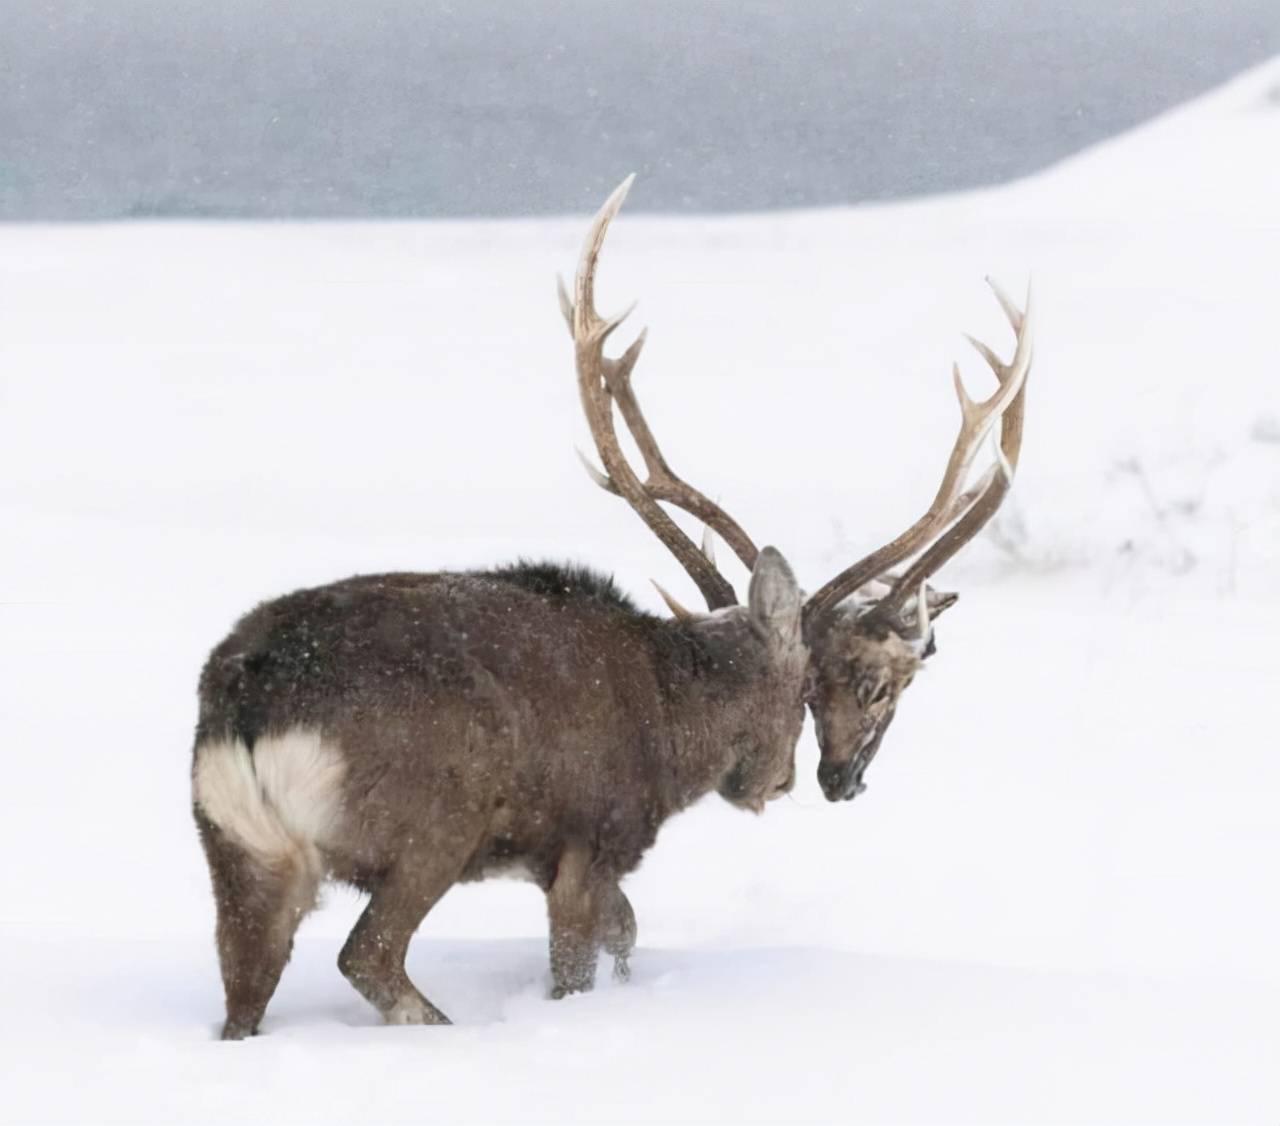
[
  {"x": 617, "y": 922},
  {"x": 573, "y": 909}
]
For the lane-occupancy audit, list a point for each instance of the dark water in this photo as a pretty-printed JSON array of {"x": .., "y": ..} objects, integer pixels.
[{"x": 392, "y": 107}]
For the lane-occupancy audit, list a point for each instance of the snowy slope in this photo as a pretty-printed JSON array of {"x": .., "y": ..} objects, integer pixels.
[{"x": 1056, "y": 900}]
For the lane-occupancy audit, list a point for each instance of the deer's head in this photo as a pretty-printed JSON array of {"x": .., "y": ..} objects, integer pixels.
[
  {"x": 861, "y": 663},
  {"x": 868, "y": 631}
]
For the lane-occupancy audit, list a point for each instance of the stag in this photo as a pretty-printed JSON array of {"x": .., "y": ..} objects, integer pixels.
[{"x": 406, "y": 732}]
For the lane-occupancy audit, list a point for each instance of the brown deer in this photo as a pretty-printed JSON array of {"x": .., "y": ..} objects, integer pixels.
[{"x": 406, "y": 732}]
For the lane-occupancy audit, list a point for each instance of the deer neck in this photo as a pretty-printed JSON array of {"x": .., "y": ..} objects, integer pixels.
[{"x": 711, "y": 693}]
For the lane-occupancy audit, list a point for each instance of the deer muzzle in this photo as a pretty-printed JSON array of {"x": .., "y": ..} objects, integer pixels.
[{"x": 842, "y": 781}]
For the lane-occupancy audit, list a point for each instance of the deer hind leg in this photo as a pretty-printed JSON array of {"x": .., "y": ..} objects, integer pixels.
[
  {"x": 259, "y": 908},
  {"x": 372, "y": 958},
  {"x": 617, "y": 934},
  {"x": 261, "y": 814}
]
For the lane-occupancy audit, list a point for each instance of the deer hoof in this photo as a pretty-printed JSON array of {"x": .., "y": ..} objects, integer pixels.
[
  {"x": 237, "y": 1030},
  {"x": 560, "y": 992},
  {"x": 414, "y": 1010}
]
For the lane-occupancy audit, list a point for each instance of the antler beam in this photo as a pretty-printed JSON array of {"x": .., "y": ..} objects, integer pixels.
[
  {"x": 954, "y": 514},
  {"x": 604, "y": 380}
]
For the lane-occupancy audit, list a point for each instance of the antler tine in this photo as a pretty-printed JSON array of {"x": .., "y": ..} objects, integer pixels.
[
  {"x": 566, "y": 303},
  {"x": 1016, "y": 316},
  {"x": 602, "y": 381},
  {"x": 709, "y": 544},
  {"x": 596, "y": 476},
  {"x": 677, "y": 610},
  {"x": 950, "y": 501},
  {"x": 993, "y": 361},
  {"x": 584, "y": 286}
]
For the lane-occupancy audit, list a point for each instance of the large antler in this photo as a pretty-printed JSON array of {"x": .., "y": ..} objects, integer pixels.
[
  {"x": 602, "y": 381},
  {"x": 956, "y": 514},
  {"x": 980, "y": 504}
]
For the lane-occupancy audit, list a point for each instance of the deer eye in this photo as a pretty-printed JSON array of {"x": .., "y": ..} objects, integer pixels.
[
  {"x": 877, "y": 693},
  {"x": 872, "y": 692}
]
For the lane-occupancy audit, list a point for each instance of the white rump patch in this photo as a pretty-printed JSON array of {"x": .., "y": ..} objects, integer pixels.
[{"x": 280, "y": 802}]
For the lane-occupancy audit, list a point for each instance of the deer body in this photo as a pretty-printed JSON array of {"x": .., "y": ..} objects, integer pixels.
[{"x": 406, "y": 732}]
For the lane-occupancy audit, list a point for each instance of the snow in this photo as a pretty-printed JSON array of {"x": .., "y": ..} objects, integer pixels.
[{"x": 1056, "y": 900}]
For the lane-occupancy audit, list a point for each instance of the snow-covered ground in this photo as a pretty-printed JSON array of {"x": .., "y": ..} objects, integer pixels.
[{"x": 1057, "y": 899}]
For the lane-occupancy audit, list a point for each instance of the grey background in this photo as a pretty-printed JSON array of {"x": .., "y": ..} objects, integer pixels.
[{"x": 421, "y": 108}]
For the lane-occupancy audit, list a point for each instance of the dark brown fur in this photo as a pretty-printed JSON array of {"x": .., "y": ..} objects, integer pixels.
[{"x": 529, "y": 716}]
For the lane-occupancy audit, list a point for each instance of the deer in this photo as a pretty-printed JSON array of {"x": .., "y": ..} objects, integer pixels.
[{"x": 406, "y": 732}]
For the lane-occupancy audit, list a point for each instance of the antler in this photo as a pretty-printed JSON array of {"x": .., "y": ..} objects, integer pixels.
[
  {"x": 602, "y": 381},
  {"x": 965, "y": 512},
  {"x": 981, "y": 503}
]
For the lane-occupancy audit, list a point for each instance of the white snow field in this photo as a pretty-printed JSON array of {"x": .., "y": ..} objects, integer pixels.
[{"x": 1057, "y": 900}]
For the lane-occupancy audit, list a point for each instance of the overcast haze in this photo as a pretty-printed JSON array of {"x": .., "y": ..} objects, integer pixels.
[{"x": 404, "y": 107}]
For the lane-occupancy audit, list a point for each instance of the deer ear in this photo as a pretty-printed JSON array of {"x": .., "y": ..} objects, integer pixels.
[{"x": 774, "y": 597}]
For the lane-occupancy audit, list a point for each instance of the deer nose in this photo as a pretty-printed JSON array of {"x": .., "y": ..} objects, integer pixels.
[
  {"x": 830, "y": 778},
  {"x": 840, "y": 781}
]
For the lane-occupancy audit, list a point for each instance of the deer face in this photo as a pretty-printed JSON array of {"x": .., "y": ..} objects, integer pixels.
[{"x": 860, "y": 666}]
